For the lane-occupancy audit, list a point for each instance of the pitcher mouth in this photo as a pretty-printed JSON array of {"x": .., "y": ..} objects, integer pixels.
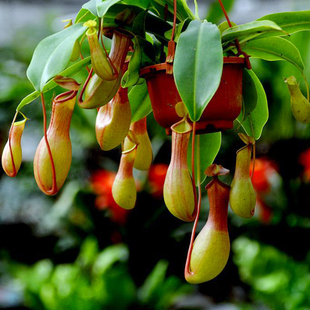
[
  {"x": 182, "y": 127},
  {"x": 66, "y": 96},
  {"x": 108, "y": 32}
]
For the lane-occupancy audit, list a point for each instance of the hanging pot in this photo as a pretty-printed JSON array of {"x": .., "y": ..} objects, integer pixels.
[{"x": 222, "y": 110}]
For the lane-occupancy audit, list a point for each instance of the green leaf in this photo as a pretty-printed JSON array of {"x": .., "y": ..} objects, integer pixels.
[
  {"x": 198, "y": 66},
  {"x": 139, "y": 102},
  {"x": 256, "y": 121},
  {"x": 153, "y": 282},
  {"x": 91, "y": 6},
  {"x": 249, "y": 94},
  {"x": 183, "y": 11},
  {"x": 52, "y": 55},
  {"x": 249, "y": 31},
  {"x": 224, "y": 26},
  {"x": 108, "y": 257},
  {"x": 207, "y": 147},
  {"x": 178, "y": 30},
  {"x": 144, "y": 4},
  {"x": 215, "y": 12},
  {"x": 28, "y": 99},
  {"x": 183, "y": 8},
  {"x": 52, "y": 84},
  {"x": 132, "y": 75},
  {"x": 147, "y": 53},
  {"x": 68, "y": 72},
  {"x": 89, "y": 252},
  {"x": 290, "y": 22},
  {"x": 83, "y": 16},
  {"x": 103, "y": 7},
  {"x": 138, "y": 25},
  {"x": 156, "y": 26},
  {"x": 274, "y": 48}
]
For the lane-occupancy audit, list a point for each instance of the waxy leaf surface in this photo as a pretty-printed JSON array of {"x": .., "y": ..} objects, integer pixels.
[
  {"x": 250, "y": 30},
  {"x": 144, "y": 4},
  {"x": 83, "y": 16},
  {"x": 255, "y": 122},
  {"x": 139, "y": 102},
  {"x": 274, "y": 48},
  {"x": 290, "y": 22},
  {"x": 103, "y": 6},
  {"x": 183, "y": 11},
  {"x": 52, "y": 55},
  {"x": 91, "y": 6},
  {"x": 207, "y": 147},
  {"x": 249, "y": 94},
  {"x": 52, "y": 84},
  {"x": 198, "y": 66}
]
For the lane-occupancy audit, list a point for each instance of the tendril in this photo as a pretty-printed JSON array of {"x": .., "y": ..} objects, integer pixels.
[
  {"x": 197, "y": 203},
  {"x": 53, "y": 190},
  {"x": 10, "y": 145}
]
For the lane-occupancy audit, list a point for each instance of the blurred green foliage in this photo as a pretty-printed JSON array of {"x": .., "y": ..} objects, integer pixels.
[
  {"x": 277, "y": 279},
  {"x": 97, "y": 280}
]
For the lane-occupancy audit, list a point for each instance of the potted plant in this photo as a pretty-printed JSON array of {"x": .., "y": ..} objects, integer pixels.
[{"x": 144, "y": 56}]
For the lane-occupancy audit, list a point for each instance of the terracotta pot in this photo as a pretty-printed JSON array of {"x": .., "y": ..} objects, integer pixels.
[{"x": 222, "y": 110}]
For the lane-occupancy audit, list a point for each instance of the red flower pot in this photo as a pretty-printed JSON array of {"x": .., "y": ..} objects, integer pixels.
[{"x": 222, "y": 110}]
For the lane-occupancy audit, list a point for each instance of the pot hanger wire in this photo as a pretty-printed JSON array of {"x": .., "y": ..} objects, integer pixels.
[
  {"x": 240, "y": 52},
  {"x": 171, "y": 43}
]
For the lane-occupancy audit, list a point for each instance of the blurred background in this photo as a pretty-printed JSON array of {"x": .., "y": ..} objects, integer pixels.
[{"x": 80, "y": 251}]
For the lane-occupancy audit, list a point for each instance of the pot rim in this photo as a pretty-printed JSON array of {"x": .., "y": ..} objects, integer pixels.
[{"x": 163, "y": 66}]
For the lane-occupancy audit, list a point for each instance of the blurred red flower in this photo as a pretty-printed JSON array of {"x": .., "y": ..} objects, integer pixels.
[
  {"x": 263, "y": 171},
  {"x": 102, "y": 182},
  {"x": 304, "y": 160},
  {"x": 264, "y": 211},
  {"x": 157, "y": 175},
  {"x": 262, "y": 180}
]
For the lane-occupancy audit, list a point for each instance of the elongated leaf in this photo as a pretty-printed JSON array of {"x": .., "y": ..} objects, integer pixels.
[
  {"x": 249, "y": 94},
  {"x": 178, "y": 30},
  {"x": 249, "y": 30},
  {"x": 198, "y": 66},
  {"x": 28, "y": 99},
  {"x": 153, "y": 282},
  {"x": 224, "y": 26},
  {"x": 103, "y": 7},
  {"x": 256, "y": 121},
  {"x": 52, "y": 84},
  {"x": 183, "y": 10},
  {"x": 139, "y": 102},
  {"x": 140, "y": 3},
  {"x": 138, "y": 25},
  {"x": 68, "y": 72},
  {"x": 132, "y": 75},
  {"x": 91, "y": 6},
  {"x": 52, "y": 55},
  {"x": 83, "y": 16},
  {"x": 290, "y": 22},
  {"x": 274, "y": 48},
  {"x": 207, "y": 147}
]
